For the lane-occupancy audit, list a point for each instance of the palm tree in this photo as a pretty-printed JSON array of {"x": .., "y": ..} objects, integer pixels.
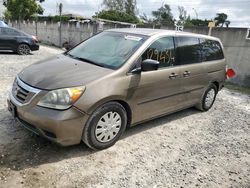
[{"x": 221, "y": 19}]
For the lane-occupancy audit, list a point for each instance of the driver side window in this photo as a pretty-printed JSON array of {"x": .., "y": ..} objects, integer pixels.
[{"x": 161, "y": 50}]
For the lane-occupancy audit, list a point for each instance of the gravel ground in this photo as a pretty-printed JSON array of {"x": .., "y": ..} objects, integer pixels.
[{"x": 186, "y": 149}]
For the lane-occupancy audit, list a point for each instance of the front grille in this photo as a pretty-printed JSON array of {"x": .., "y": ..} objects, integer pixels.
[{"x": 22, "y": 92}]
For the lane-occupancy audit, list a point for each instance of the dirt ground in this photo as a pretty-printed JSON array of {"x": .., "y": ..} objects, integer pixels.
[{"x": 186, "y": 149}]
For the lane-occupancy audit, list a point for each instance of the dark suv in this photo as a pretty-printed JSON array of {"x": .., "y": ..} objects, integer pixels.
[{"x": 17, "y": 41}]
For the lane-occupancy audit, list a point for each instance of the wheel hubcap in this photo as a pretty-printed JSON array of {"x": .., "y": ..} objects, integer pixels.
[
  {"x": 108, "y": 127},
  {"x": 24, "y": 49},
  {"x": 210, "y": 98}
]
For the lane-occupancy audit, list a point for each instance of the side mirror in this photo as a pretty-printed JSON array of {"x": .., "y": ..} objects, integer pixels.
[{"x": 149, "y": 65}]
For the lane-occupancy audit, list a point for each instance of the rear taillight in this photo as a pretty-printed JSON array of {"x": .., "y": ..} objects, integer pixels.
[{"x": 230, "y": 73}]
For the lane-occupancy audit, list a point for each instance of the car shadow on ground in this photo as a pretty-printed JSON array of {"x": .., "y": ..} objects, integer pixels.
[
  {"x": 11, "y": 53},
  {"x": 7, "y": 53},
  {"x": 28, "y": 150}
]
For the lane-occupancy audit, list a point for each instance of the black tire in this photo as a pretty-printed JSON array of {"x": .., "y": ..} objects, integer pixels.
[
  {"x": 203, "y": 106},
  {"x": 89, "y": 133},
  {"x": 23, "y": 49}
]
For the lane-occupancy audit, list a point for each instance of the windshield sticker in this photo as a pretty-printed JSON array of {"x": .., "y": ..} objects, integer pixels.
[{"x": 129, "y": 37}]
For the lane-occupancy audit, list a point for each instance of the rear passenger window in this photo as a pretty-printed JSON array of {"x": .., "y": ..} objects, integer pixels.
[
  {"x": 187, "y": 50},
  {"x": 211, "y": 50},
  {"x": 161, "y": 50}
]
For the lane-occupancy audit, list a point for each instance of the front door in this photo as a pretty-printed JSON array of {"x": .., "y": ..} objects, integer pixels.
[{"x": 157, "y": 92}]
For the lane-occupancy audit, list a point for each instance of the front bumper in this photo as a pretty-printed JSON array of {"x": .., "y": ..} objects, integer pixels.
[
  {"x": 34, "y": 47},
  {"x": 63, "y": 127}
]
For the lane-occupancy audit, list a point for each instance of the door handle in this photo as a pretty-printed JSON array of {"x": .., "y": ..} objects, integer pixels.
[
  {"x": 173, "y": 76},
  {"x": 186, "y": 73}
]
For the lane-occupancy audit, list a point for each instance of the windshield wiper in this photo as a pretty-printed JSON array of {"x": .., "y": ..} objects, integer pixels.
[
  {"x": 72, "y": 56},
  {"x": 86, "y": 60},
  {"x": 90, "y": 61}
]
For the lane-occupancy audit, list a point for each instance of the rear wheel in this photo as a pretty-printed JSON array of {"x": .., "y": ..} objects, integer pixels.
[
  {"x": 105, "y": 126},
  {"x": 208, "y": 98},
  {"x": 23, "y": 49}
]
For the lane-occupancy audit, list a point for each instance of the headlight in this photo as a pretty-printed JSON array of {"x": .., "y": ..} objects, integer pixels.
[{"x": 61, "y": 99}]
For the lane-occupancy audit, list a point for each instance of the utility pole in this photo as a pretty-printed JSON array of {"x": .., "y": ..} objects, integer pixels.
[
  {"x": 36, "y": 20},
  {"x": 60, "y": 24}
]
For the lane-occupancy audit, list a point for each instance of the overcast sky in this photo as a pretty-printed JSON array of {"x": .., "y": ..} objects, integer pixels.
[{"x": 238, "y": 10}]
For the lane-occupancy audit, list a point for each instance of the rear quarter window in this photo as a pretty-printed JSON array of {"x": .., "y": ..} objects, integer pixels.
[{"x": 211, "y": 50}]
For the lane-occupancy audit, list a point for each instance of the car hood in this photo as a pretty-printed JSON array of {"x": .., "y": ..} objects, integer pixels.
[{"x": 61, "y": 72}]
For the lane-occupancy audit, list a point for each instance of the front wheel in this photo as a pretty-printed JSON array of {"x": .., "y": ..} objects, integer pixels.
[
  {"x": 105, "y": 126},
  {"x": 208, "y": 98},
  {"x": 23, "y": 49}
]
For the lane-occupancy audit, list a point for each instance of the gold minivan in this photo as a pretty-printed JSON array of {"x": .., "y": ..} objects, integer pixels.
[{"x": 116, "y": 79}]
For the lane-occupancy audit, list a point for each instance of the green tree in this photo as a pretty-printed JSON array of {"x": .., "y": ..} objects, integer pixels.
[
  {"x": 118, "y": 5},
  {"x": 145, "y": 19},
  {"x": 198, "y": 22},
  {"x": 116, "y": 16},
  {"x": 130, "y": 7},
  {"x": 182, "y": 16},
  {"x": 182, "y": 13},
  {"x": 119, "y": 10},
  {"x": 21, "y": 9},
  {"x": 163, "y": 15},
  {"x": 221, "y": 19},
  {"x": 57, "y": 18}
]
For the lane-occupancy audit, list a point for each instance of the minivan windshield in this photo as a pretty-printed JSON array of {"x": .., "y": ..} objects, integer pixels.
[{"x": 108, "y": 49}]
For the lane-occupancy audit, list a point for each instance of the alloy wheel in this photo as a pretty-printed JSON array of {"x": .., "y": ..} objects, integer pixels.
[{"x": 23, "y": 49}]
